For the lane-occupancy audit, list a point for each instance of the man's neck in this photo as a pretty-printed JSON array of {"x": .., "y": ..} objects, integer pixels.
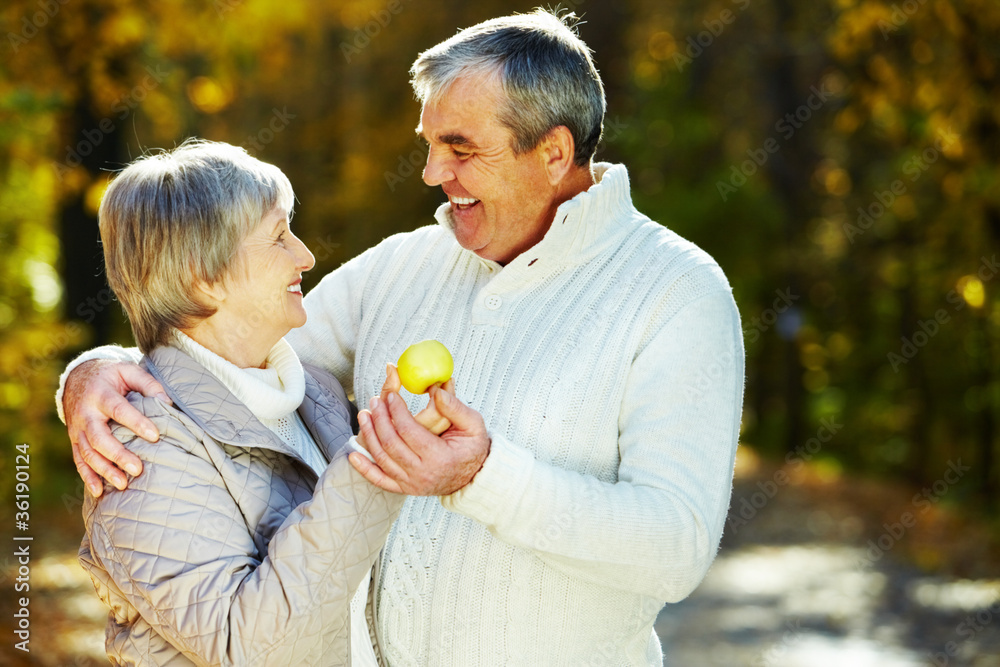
[
  {"x": 580, "y": 179},
  {"x": 577, "y": 180}
]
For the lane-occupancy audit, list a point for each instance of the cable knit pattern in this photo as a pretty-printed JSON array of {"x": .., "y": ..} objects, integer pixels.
[{"x": 607, "y": 362}]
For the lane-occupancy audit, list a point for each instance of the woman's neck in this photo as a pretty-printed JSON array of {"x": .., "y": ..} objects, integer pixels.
[{"x": 237, "y": 343}]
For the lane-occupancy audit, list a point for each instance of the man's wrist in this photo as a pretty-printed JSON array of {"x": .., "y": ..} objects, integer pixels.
[
  {"x": 105, "y": 352},
  {"x": 501, "y": 479},
  {"x": 482, "y": 461}
]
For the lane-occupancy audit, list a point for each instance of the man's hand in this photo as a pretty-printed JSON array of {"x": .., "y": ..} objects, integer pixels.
[
  {"x": 95, "y": 393},
  {"x": 430, "y": 418},
  {"x": 410, "y": 459}
]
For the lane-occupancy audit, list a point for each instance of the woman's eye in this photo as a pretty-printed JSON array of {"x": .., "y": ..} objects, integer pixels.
[{"x": 281, "y": 237}]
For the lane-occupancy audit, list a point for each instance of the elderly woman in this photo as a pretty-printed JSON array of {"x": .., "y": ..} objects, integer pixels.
[{"x": 247, "y": 535}]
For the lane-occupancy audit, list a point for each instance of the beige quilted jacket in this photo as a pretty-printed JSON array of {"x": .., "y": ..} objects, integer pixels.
[{"x": 227, "y": 550}]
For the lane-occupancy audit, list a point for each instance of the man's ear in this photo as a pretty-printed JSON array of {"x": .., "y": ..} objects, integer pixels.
[{"x": 557, "y": 150}]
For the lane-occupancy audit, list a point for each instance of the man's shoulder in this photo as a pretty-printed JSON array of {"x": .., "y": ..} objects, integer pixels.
[
  {"x": 671, "y": 256},
  {"x": 400, "y": 255},
  {"x": 668, "y": 274}
]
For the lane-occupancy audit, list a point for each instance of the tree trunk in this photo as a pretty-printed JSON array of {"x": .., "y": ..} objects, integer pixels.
[{"x": 88, "y": 298}]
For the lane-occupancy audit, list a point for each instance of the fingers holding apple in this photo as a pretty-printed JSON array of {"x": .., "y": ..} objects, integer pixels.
[
  {"x": 430, "y": 418},
  {"x": 420, "y": 367},
  {"x": 392, "y": 382}
]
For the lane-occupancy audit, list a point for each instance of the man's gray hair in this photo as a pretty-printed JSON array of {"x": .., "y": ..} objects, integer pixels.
[
  {"x": 545, "y": 69},
  {"x": 176, "y": 218}
]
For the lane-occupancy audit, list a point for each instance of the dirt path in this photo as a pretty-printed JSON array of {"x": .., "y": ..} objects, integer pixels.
[{"x": 819, "y": 570}]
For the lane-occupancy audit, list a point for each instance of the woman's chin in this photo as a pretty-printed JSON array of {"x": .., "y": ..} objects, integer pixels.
[{"x": 295, "y": 323}]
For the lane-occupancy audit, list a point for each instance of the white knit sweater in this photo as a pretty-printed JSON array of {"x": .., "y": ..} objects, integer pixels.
[{"x": 607, "y": 361}]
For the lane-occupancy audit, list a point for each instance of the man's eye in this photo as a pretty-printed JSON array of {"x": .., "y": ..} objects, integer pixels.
[
  {"x": 460, "y": 154},
  {"x": 281, "y": 237}
]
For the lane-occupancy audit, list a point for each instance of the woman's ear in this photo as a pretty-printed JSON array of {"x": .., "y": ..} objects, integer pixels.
[
  {"x": 211, "y": 294},
  {"x": 557, "y": 149}
]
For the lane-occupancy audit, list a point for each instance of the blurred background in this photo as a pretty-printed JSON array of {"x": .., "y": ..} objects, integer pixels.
[{"x": 839, "y": 158}]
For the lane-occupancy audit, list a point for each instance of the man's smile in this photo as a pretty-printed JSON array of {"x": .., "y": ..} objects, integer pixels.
[{"x": 462, "y": 203}]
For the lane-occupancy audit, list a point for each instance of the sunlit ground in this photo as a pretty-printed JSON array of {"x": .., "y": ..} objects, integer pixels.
[
  {"x": 799, "y": 584},
  {"x": 67, "y": 618},
  {"x": 796, "y": 585},
  {"x": 809, "y": 606}
]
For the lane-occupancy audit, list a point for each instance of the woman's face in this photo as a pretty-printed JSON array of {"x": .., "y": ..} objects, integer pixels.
[{"x": 264, "y": 286}]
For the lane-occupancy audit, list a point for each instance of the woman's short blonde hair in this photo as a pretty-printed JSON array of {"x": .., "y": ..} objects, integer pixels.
[{"x": 173, "y": 219}]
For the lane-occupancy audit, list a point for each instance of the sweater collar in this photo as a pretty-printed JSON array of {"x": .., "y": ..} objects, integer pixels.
[{"x": 582, "y": 226}]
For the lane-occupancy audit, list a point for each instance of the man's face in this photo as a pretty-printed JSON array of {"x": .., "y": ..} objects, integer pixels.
[{"x": 501, "y": 203}]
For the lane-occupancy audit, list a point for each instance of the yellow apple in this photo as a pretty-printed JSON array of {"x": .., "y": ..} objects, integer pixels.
[{"x": 424, "y": 364}]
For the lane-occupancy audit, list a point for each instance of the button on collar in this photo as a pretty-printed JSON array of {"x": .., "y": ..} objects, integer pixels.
[{"x": 493, "y": 302}]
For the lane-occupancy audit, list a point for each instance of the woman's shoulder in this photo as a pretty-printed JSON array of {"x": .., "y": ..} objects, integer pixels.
[{"x": 180, "y": 458}]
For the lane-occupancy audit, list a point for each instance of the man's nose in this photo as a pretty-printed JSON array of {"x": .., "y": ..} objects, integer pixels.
[{"x": 438, "y": 169}]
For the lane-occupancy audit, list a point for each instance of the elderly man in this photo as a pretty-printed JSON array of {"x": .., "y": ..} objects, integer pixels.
[{"x": 599, "y": 363}]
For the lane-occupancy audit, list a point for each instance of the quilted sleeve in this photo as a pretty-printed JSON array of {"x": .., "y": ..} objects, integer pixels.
[{"x": 179, "y": 550}]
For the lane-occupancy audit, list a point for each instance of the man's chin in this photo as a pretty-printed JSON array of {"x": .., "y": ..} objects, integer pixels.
[
  {"x": 472, "y": 244},
  {"x": 467, "y": 233}
]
